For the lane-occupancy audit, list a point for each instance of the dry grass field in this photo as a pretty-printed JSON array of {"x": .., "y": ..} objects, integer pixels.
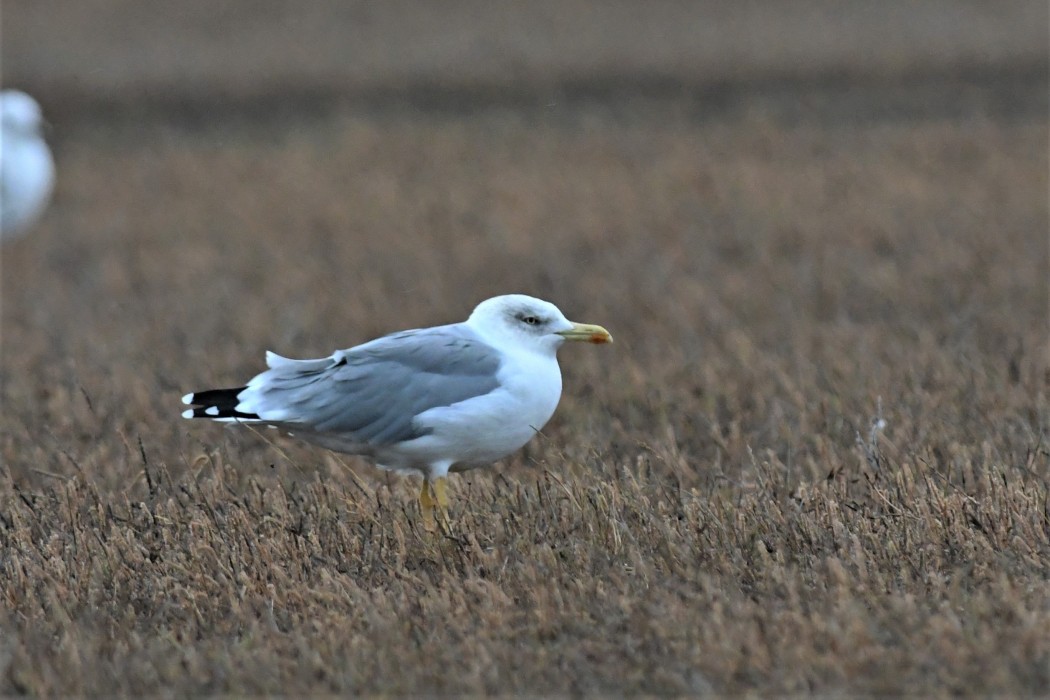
[{"x": 710, "y": 512}]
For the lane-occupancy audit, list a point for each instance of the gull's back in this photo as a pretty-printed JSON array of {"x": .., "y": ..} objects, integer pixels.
[{"x": 366, "y": 399}]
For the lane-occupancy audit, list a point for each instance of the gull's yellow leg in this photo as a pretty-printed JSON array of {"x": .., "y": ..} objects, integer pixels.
[
  {"x": 442, "y": 502},
  {"x": 426, "y": 506}
]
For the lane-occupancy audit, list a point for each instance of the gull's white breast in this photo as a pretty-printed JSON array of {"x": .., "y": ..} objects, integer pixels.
[
  {"x": 26, "y": 178},
  {"x": 485, "y": 428}
]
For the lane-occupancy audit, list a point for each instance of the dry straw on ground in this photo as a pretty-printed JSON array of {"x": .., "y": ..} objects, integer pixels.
[{"x": 711, "y": 510}]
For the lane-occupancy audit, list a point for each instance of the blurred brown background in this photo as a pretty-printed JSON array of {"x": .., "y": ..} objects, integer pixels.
[
  {"x": 792, "y": 216},
  {"x": 113, "y": 49}
]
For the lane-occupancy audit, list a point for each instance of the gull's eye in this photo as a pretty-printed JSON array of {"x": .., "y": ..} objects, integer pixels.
[{"x": 530, "y": 320}]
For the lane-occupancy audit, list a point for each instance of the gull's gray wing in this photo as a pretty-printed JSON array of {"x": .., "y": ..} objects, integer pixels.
[{"x": 372, "y": 393}]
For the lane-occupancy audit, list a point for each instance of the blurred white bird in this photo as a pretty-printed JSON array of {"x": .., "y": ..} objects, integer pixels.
[{"x": 27, "y": 171}]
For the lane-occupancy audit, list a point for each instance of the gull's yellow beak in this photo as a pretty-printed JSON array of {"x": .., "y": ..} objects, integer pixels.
[{"x": 587, "y": 333}]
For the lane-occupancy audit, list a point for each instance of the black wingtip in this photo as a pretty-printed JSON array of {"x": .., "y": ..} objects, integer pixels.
[{"x": 215, "y": 403}]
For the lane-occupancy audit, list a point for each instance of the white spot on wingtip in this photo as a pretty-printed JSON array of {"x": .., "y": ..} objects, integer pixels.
[
  {"x": 212, "y": 411},
  {"x": 188, "y": 413},
  {"x": 188, "y": 398}
]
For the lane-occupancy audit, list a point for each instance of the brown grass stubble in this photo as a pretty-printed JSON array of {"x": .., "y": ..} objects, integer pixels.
[{"x": 699, "y": 516}]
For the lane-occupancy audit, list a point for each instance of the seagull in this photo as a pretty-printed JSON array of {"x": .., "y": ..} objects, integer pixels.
[
  {"x": 428, "y": 401},
  {"x": 27, "y": 172}
]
